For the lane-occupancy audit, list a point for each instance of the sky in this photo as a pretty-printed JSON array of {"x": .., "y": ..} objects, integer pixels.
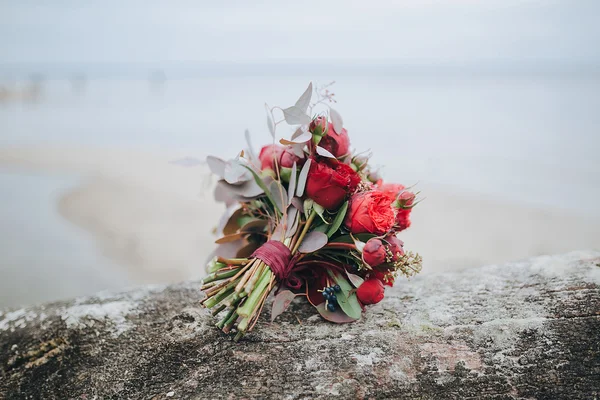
[{"x": 453, "y": 32}]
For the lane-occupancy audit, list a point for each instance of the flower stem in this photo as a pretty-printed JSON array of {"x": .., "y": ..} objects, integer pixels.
[
  {"x": 252, "y": 301},
  {"x": 309, "y": 221}
]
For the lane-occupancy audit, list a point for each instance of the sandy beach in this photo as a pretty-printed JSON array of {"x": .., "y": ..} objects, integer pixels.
[{"x": 154, "y": 218}]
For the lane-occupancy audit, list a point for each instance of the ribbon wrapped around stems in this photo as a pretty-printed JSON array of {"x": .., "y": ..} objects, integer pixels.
[{"x": 279, "y": 258}]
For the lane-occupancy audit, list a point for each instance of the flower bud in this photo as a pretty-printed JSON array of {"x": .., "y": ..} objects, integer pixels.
[
  {"x": 374, "y": 252},
  {"x": 395, "y": 246},
  {"x": 371, "y": 291}
]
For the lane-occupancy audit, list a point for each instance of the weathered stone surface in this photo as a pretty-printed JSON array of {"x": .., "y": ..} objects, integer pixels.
[{"x": 528, "y": 329}]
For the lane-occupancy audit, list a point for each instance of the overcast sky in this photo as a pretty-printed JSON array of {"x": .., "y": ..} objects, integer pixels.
[{"x": 413, "y": 31}]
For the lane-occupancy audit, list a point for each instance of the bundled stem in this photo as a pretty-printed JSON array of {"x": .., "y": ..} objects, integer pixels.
[{"x": 240, "y": 287}]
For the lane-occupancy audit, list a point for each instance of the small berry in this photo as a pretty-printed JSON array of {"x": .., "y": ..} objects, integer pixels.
[
  {"x": 331, "y": 307},
  {"x": 325, "y": 294},
  {"x": 333, "y": 298},
  {"x": 329, "y": 290},
  {"x": 337, "y": 288}
]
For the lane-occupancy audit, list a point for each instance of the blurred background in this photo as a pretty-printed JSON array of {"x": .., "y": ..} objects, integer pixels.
[{"x": 492, "y": 108}]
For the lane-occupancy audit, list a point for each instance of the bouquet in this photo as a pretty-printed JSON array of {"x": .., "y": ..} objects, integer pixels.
[{"x": 306, "y": 217}]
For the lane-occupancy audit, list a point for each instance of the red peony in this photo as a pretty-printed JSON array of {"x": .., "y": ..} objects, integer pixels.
[
  {"x": 288, "y": 158},
  {"x": 370, "y": 212},
  {"x": 268, "y": 154},
  {"x": 337, "y": 144},
  {"x": 371, "y": 291},
  {"x": 284, "y": 155},
  {"x": 329, "y": 182},
  {"x": 395, "y": 246},
  {"x": 374, "y": 252}
]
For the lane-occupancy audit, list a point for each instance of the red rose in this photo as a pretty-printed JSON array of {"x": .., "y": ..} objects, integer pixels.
[
  {"x": 329, "y": 182},
  {"x": 370, "y": 212},
  {"x": 403, "y": 200},
  {"x": 371, "y": 291},
  {"x": 337, "y": 144},
  {"x": 390, "y": 189},
  {"x": 374, "y": 252},
  {"x": 268, "y": 154},
  {"x": 403, "y": 219}
]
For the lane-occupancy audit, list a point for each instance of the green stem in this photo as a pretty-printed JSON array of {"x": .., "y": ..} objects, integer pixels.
[
  {"x": 219, "y": 275},
  {"x": 213, "y": 301},
  {"x": 252, "y": 301},
  {"x": 309, "y": 221}
]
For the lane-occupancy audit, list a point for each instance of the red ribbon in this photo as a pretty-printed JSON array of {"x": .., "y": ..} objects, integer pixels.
[{"x": 279, "y": 258}]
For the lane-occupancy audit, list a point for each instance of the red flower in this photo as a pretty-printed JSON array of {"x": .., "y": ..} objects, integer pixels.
[
  {"x": 284, "y": 155},
  {"x": 374, "y": 252},
  {"x": 268, "y": 154},
  {"x": 370, "y": 212},
  {"x": 329, "y": 182},
  {"x": 337, "y": 144},
  {"x": 403, "y": 200},
  {"x": 318, "y": 126},
  {"x": 385, "y": 277},
  {"x": 371, "y": 291},
  {"x": 395, "y": 246},
  {"x": 288, "y": 158}
]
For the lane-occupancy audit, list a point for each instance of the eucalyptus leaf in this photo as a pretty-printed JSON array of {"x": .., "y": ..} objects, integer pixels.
[
  {"x": 336, "y": 120},
  {"x": 228, "y": 238},
  {"x": 324, "y": 153},
  {"x": 251, "y": 154},
  {"x": 270, "y": 123},
  {"x": 216, "y": 165},
  {"x": 230, "y": 219},
  {"x": 301, "y": 139},
  {"x": 292, "y": 183},
  {"x": 295, "y": 116},
  {"x": 339, "y": 219},
  {"x": 321, "y": 228},
  {"x": 278, "y": 233},
  {"x": 281, "y": 302},
  {"x": 291, "y": 222},
  {"x": 301, "y": 184},
  {"x": 299, "y": 131},
  {"x": 312, "y": 242},
  {"x": 236, "y": 172},
  {"x": 296, "y": 202},
  {"x": 304, "y": 100},
  {"x": 279, "y": 195},
  {"x": 347, "y": 299},
  {"x": 355, "y": 279},
  {"x": 336, "y": 316}
]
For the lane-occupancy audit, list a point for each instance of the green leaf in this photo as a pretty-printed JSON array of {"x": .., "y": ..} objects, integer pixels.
[
  {"x": 346, "y": 297},
  {"x": 261, "y": 184},
  {"x": 336, "y": 316},
  {"x": 320, "y": 210},
  {"x": 308, "y": 205},
  {"x": 321, "y": 228},
  {"x": 363, "y": 237},
  {"x": 339, "y": 218}
]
